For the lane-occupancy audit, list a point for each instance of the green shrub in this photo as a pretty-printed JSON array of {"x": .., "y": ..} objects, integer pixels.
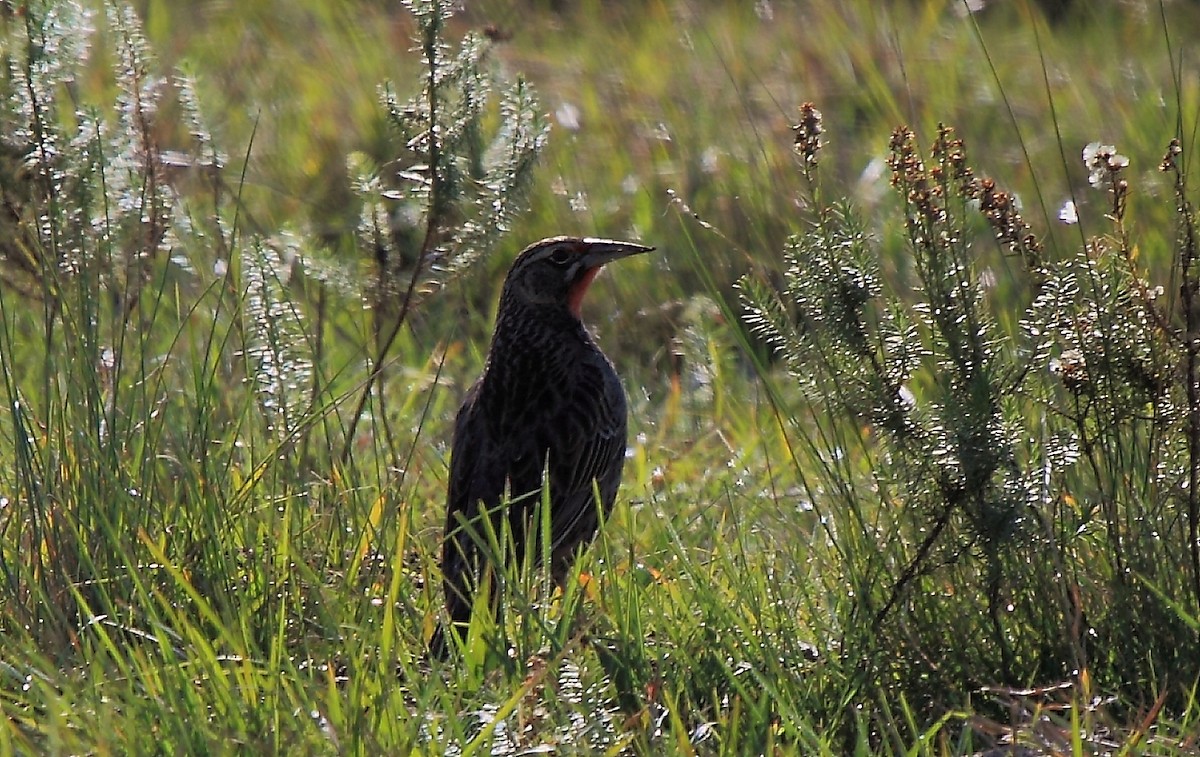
[{"x": 1003, "y": 458}]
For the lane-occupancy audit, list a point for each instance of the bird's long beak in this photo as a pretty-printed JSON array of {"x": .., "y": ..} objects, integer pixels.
[
  {"x": 597, "y": 252},
  {"x": 601, "y": 251}
]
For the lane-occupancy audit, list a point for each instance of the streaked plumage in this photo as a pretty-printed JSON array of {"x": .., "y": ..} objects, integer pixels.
[{"x": 548, "y": 400}]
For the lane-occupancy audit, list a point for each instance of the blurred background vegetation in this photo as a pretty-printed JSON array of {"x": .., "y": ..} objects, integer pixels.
[
  {"x": 656, "y": 102},
  {"x": 849, "y": 525}
]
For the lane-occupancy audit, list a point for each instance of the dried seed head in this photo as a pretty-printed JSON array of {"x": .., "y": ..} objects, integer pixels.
[
  {"x": 951, "y": 156},
  {"x": 1004, "y": 216},
  {"x": 1169, "y": 161},
  {"x": 807, "y": 142},
  {"x": 1071, "y": 368}
]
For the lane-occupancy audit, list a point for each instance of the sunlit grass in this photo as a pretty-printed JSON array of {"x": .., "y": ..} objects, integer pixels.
[{"x": 192, "y": 566}]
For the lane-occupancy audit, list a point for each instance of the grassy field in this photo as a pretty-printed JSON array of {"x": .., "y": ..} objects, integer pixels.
[{"x": 912, "y": 537}]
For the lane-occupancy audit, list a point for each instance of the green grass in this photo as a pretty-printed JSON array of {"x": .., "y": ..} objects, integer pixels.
[{"x": 189, "y": 565}]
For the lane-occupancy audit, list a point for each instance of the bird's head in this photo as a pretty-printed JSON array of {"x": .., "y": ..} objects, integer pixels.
[{"x": 558, "y": 271}]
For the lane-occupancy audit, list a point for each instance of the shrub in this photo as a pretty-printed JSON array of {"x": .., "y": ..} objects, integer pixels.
[{"x": 1004, "y": 457}]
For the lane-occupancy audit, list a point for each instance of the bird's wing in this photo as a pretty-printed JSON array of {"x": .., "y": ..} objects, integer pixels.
[
  {"x": 594, "y": 459},
  {"x": 470, "y": 481},
  {"x": 477, "y": 476},
  {"x": 488, "y": 461}
]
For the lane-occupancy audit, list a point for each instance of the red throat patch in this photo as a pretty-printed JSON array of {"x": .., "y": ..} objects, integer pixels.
[{"x": 578, "y": 289}]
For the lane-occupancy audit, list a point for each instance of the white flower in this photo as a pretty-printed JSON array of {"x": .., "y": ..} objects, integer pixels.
[
  {"x": 1068, "y": 213},
  {"x": 1103, "y": 161},
  {"x": 1093, "y": 150},
  {"x": 567, "y": 116}
]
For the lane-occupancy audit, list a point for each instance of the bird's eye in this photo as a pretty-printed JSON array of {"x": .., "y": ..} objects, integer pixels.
[{"x": 560, "y": 256}]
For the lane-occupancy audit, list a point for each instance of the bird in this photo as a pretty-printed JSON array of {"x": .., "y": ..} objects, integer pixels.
[{"x": 548, "y": 409}]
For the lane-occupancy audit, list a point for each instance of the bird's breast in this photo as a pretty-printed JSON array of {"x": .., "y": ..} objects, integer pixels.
[{"x": 550, "y": 380}]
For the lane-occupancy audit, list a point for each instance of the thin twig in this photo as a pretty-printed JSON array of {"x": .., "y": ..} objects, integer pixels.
[
  {"x": 432, "y": 224},
  {"x": 1191, "y": 318},
  {"x": 914, "y": 567}
]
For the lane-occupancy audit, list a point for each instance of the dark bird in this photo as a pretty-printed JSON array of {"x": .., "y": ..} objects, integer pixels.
[{"x": 548, "y": 407}]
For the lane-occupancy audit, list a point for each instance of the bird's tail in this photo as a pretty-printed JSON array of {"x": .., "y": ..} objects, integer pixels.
[
  {"x": 451, "y": 634},
  {"x": 439, "y": 647}
]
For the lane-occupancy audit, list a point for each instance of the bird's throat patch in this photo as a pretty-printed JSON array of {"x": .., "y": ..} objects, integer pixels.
[{"x": 578, "y": 289}]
